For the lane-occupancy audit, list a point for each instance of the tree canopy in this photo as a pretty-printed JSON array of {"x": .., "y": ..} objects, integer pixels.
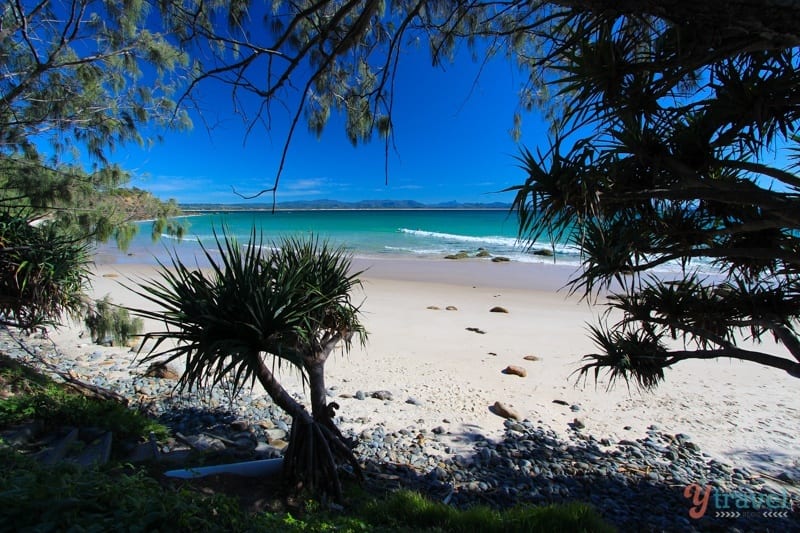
[
  {"x": 676, "y": 147},
  {"x": 70, "y": 95}
]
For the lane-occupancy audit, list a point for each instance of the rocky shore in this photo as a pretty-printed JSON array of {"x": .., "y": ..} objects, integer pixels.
[{"x": 638, "y": 484}]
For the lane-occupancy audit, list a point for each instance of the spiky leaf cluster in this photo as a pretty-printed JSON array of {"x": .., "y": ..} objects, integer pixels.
[
  {"x": 254, "y": 303},
  {"x": 43, "y": 274}
]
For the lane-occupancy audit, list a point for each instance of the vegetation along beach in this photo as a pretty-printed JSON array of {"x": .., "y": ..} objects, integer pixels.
[{"x": 577, "y": 310}]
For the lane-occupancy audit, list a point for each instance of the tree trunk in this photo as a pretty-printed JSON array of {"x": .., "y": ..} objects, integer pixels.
[
  {"x": 316, "y": 381},
  {"x": 315, "y": 443},
  {"x": 278, "y": 394}
]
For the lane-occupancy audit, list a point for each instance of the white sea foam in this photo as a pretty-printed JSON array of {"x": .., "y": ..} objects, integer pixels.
[
  {"x": 501, "y": 241},
  {"x": 508, "y": 244},
  {"x": 421, "y": 251}
]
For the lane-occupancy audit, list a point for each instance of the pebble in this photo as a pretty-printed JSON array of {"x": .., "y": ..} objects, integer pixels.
[
  {"x": 382, "y": 395},
  {"x": 505, "y": 411},
  {"x": 275, "y": 434}
]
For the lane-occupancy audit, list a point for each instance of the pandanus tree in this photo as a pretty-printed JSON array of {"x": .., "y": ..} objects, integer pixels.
[
  {"x": 678, "y": 146},
  {"x": 290, "y": 304},
  {"x": 43, "y": 273}
]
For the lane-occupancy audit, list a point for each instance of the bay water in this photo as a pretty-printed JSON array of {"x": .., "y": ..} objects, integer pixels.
[{"x": 411, "y": 233}]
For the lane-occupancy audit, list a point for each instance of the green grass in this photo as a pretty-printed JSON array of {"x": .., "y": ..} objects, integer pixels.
[
  {"x": 410, "y": 511},
  {"x": 66, "y": 497},
  {"x": 118, "y": 497},
  {"x": 34, "y": 396}
]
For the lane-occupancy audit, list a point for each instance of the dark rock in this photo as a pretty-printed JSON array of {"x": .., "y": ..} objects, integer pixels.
[
  {"x": 161, "y": 371},
  {"x": 451, "y": 308},
  {"x": 476, "y": 330},
  {"x": 578, "y": 423},
  {"x": 204, "y": 443},
  {"x": 240, "y": 425},
  {"x": 498, "y": 309},
  {"x": 544, "y": 252},
  {"x": 20, "y": 435},
  {"x": 460, "y": 255},
  {"x": 244, "y": 443},
  {"x": 360, "y": 395},
  {"x": 434, "y": 308},
  {"x": 515, "y": 371},
  {"x": 531, "y": 358},
  {"x": 560, "y": 402},
  {"x": 500, "y": 259}
]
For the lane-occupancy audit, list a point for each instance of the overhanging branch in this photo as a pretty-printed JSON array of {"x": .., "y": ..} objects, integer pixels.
[{"x": 781, "y": 363}]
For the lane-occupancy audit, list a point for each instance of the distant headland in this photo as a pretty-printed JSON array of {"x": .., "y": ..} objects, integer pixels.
[{"x": 337, "y": 204}]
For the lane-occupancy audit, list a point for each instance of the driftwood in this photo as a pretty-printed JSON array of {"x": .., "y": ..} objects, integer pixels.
[{"x": 87, "y": 389}]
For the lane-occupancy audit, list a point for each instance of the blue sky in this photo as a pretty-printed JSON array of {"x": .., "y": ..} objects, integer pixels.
[{"x": 451, "y": 134}]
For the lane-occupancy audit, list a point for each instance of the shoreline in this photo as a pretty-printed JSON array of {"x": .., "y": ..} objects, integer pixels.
[{"x": 736, "y": 411}]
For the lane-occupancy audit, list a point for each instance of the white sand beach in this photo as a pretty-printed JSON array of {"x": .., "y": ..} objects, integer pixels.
[{"x": 738, "y": 412}]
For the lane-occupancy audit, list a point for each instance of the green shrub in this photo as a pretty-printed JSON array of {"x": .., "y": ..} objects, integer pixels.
[
  {"x": 108, "y": 321},
  {"x": 43, "y": 273},
  {"x": 66, "y": 497},
  {"x": 37, "y": 397}
]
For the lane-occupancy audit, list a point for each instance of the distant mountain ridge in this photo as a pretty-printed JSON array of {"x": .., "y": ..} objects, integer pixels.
[{"x": 337, "y": 204}]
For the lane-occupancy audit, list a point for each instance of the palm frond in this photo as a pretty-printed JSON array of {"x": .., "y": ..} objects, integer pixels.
[{"x": 282, "y": 301}]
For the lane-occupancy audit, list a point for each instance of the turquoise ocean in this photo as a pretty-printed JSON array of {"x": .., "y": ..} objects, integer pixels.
[
  {"x": 413, "y": 233},
  {"x": 365, "y": 233}
]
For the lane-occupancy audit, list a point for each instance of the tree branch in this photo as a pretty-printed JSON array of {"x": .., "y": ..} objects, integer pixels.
[{"x": 781, "y": 363}]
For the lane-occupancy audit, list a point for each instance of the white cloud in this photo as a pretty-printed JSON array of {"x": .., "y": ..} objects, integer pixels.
[{"x": 304, "y": 184}]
